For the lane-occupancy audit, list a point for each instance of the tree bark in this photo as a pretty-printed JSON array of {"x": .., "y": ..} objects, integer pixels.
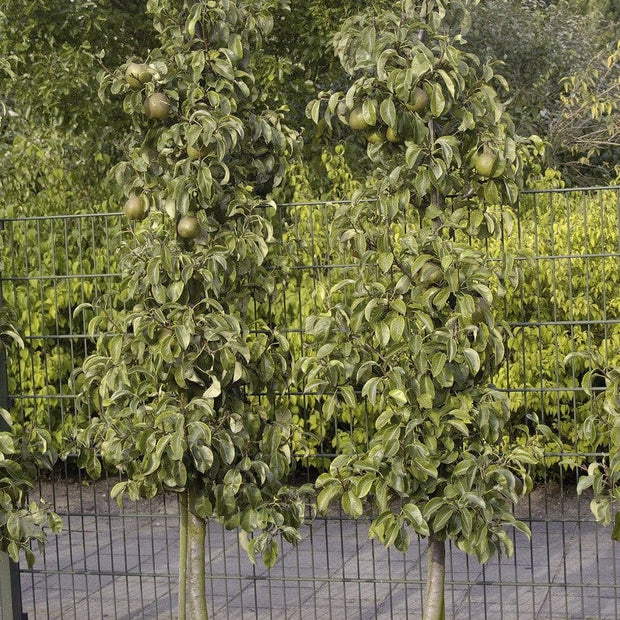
[
  {"x": 196, "y": 582},
  {"x": 192, "y": 603},
  {"x": 183, "y": 510},
  {"x": 434, "y": 605}
]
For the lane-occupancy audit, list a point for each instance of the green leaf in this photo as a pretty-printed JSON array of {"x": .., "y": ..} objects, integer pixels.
[
  {"x": 364, "y": 485},
  {"x": 387, "y": 110},
  {"x": 420, "y": 64},
  {"x": 270, "y": 554},
  {"x": 249, "y": 519},
  {"x": 491, "y": 193},
  {"x": 422, "y": 181},
  {"x": 443, "y": 515},
  {"x": 6, "y": 444},
  {"x": 426, "y": 466},
  {"x": 385, "y": 261},
  {"x": 397, "y": 328},
  {"x": 447, "y": 80},
  {"x": 118, "y": 490},
  {"x": 214, "y": 390},
  {"x": 325, "y": 351},
  {"x": 399, "y": 397},
  {"x": 463, "y": 467},
  {"x": 13, "y": 551},
  {"x": 438, "y": 102},
  {"x": 193, "y": 18},
  {"x": 460, "y": 426},
  {"x": 226, "y": 448},
  {"x": 425, "y": 401},
  {"x": 54, "y": 522},
  {"x": 203, "y": 507},
  {"x": 369, "y": 390},
  {"x": 414, "y": 516},
  {"x": 369, "y": 111},
  {"x": 313, "y": 110},
  {"x": 13, "y": 526},
  {"x": 327, "y": 495},
  {"x": 412, "y": 154},
  {"x": 352, "y": 504},
  {"x": 438, "y": 361},
  {"x": 601, "y": 509},
  {"x": 183, "y": 335},
  {"x": 473, "y": 360},
  {"x": 584, "y": 483},
  {"x": 203, "y": 458}
]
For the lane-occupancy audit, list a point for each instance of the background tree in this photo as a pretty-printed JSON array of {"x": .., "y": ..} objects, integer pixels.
[
  {"x": 587, "y": 125},
  {"x": 544, "y": 47},
  {"x": 411, "y": 330},
  {"x": 55, "y": 138},
  {"x": 188, "y": 376}
]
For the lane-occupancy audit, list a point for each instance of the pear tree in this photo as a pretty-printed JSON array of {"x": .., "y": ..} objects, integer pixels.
[
  {"x": 25, "y": 450},
  {"x": 601, "y": 429},
  {"x": 411, "y": 331},
  {"x": 186, "y": 380}
]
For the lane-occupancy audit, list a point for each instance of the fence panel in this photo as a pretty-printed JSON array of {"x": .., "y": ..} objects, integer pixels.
[{"x": 121, "y": 563}]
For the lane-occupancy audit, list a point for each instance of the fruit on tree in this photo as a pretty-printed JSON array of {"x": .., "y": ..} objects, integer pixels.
[
  {"x": 137, "y": 74},
  {"x": 418, "y": 100},
  {"x": 484, "y": 163},
  {"x": 188, "y": 227},
  {"x": 393, "y": 136},
  {"x": 136, "y": 207},
  {"x": 157, "y": 106},
  {"x": 376, "y": 137},
  {"x": 356, "y": 120}
]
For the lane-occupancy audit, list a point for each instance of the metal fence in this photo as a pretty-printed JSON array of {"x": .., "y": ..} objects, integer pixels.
[{"x": 122, "y": 563}]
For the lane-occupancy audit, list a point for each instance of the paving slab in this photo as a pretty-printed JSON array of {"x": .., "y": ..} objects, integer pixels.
[{"x": 114, "y": 564}]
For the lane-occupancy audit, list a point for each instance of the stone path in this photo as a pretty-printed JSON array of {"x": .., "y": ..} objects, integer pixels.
[{"x": 123, "y": 565}]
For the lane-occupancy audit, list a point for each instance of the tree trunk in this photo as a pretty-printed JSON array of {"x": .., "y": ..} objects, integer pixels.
[
  {"x": 192, "y": 582},
  {"x": 183, "y": 510},
  {"x": 434, "y": 605}
]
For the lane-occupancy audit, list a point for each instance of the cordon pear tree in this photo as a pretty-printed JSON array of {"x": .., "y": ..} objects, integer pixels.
[
  {"x": 411, "y": 332},
  {"x": 601, "y": 473},
  {"x": 185, "y": 379},
  {"x": 25, "y": 449}
]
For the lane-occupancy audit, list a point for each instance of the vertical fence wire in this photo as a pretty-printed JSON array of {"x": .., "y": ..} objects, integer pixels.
[{"x": 113, "y": 562}]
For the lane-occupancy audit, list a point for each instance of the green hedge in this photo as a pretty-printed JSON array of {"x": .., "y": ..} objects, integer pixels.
[
  {"x": 570, "y": 301},
  {"x": 51, "y": 266}
]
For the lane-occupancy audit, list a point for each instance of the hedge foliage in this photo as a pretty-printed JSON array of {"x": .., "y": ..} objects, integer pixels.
[
  {"x": 566, "y": 243},
  {"x": 569, "y": 302}
]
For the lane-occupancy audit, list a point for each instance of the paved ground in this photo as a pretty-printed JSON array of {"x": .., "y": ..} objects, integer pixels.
[{"x": 122, "y": 565}]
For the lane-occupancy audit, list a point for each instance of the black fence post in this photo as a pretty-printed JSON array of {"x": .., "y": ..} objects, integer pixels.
[{"x": 10, "y": 586}]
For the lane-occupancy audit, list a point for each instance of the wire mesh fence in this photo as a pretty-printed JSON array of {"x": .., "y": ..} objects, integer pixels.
[{"x": 113, "y": 562}]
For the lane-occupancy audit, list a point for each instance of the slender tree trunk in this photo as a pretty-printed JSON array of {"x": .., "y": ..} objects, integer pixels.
[
  {"x": 192, "y": 580},
  {"x": 196, "y": 582},
  {"x": 434, "y": 605},
  {"x": 183, "y": 510}
]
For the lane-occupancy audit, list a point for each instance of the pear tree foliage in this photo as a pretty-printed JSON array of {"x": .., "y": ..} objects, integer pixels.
[
  {"x": 24, "y": 451},
  {"x": 411, "y": 330},
  {"x": 187, "y": 377}
]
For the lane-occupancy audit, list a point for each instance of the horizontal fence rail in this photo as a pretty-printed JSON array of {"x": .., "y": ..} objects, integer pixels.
[{"x": 122, "y": 563}]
